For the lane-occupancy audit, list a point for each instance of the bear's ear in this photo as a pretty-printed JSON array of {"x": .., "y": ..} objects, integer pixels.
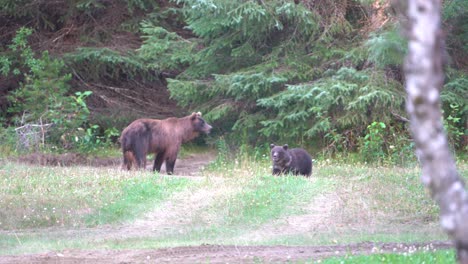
[
  {"x": 195, "y": 115},
  {"x": 285, "y": 146},
  {"x": 272, "y": 146}
]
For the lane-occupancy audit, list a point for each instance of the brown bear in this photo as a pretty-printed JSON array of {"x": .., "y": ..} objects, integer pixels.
[
  {"x": 161, "y": 137},
  {"x": 296, "y": 161}
]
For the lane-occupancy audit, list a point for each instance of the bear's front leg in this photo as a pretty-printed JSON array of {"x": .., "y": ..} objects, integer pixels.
[
  {"x": 170, "y": 163},
  {"x": 276, "y": 171},
  {"x": 158, "y": 161}
]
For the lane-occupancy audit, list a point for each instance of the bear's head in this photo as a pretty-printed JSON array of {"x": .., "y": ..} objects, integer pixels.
[
  {"x": 279, "y": 154},
  {"x": 199, "y": 124}
]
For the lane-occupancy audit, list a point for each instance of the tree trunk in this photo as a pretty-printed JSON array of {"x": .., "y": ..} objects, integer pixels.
[{"x": 424, "y": 80}]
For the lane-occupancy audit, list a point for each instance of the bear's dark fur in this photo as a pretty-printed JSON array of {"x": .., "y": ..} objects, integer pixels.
[
  {"x": 296, "y": 161},
  {"x": 161, "y": 137}
]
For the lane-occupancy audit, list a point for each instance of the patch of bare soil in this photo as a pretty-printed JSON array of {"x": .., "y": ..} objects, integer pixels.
[
  {"x": 220, "y": 253},
  {"x": 190, "y": 165},
  {"x": 66, "y": 159}
]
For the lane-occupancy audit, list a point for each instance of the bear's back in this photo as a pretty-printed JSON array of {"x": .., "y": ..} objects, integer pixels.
[{"x": 302, "y": 161}]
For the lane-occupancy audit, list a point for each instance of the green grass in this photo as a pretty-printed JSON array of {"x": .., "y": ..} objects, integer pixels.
[
  {"x": 266, "y": 197},
  {"x": 234, "y": 199},
  {"x": 136, "y": 196},
  {"x": 35, "y": 197},
  {"x": 439, "y": 257},
  {"x": 384, "y": 191}
]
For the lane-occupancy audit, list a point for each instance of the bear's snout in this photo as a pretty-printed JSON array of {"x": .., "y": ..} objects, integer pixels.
[
  {"x": 275, "y": 156},
  {"x": 207, "y": 128}
]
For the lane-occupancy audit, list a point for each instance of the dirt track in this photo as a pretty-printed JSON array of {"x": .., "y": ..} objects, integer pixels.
[{"x": 219, "y": 254}]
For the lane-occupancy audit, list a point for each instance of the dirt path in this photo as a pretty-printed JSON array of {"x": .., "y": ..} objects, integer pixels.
[
  {"x": 220, "y": 254},
  {"x": 189, "y": 165}
]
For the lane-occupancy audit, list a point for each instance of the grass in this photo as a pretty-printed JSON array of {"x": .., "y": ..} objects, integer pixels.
[
  {"x": 37, "y": 197},
  {"x": 234, "y": 200},
  {"x": 266, "y": 197},
  {"x": 391, "y": 194},
  {"x": 425, "y": 256},
  {"x": 134, "y": 197}
]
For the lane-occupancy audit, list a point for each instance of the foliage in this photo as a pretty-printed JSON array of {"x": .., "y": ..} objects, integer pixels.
[
  {"x": 348, "y": 99},
  {"x": 173, "y": 51},
  {"x": 90, "y": 139},
  {"x": 33, "y": 11},
  {"x": 452, "y": 125},
  {"x": 455, "y": 15},
  {"x": 8, "y": 139},
  {"x": 455, "y": 107},
  {"x": 373, "y": 147},
  {"x": 387, "y": 48},
  {"x": 266, "y": 67},
  {"x": 99, "y": 64},
  {"x": 43, "y": 95},
  {"x": 251, "y": 51},
  {"x": 314, "y": 74}
]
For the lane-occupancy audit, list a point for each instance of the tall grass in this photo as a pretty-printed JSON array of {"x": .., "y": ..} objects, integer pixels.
[{"x": 381, "y": 194}]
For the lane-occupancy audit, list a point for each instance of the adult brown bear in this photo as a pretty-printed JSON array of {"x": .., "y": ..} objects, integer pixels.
[
  {"x": 161, "y": 137},
  {"x": 296, "y": 161}
]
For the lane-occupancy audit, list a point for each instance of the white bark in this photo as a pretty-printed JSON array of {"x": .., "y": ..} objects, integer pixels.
[{"x": 424, "y": 80}]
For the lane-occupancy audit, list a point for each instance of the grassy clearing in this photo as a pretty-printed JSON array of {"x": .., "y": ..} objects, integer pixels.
[
  {"x": 234, "y": 199},
  {"x": 261, "y": 199},
  {"x": 37, "y": 197}
]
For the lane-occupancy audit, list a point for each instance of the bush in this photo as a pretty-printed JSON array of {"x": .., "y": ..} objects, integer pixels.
[{"x": 43, "y": 96}]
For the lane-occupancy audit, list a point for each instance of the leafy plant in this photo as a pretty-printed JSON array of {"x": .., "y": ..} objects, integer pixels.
[
  {"x": 453, "y": 126},
  {"x": 43, "y": 94},
  {"x": 92, "y": 139},
  {"x": 373, "y": 145}
]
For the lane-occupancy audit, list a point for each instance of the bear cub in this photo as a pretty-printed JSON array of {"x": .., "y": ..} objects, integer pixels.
[{"x": 296, "y": 161}]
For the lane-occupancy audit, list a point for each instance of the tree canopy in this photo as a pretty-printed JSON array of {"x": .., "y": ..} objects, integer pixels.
[{"x": 318, "y": 73}]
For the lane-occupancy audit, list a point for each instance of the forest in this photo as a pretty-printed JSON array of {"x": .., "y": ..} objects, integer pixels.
[
  {"x": 327, "y": 76},
  {"x": 322, "y": 74}
]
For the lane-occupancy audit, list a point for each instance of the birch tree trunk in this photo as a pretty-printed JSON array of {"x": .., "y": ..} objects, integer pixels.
[{"x": 424, "y": 80}]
